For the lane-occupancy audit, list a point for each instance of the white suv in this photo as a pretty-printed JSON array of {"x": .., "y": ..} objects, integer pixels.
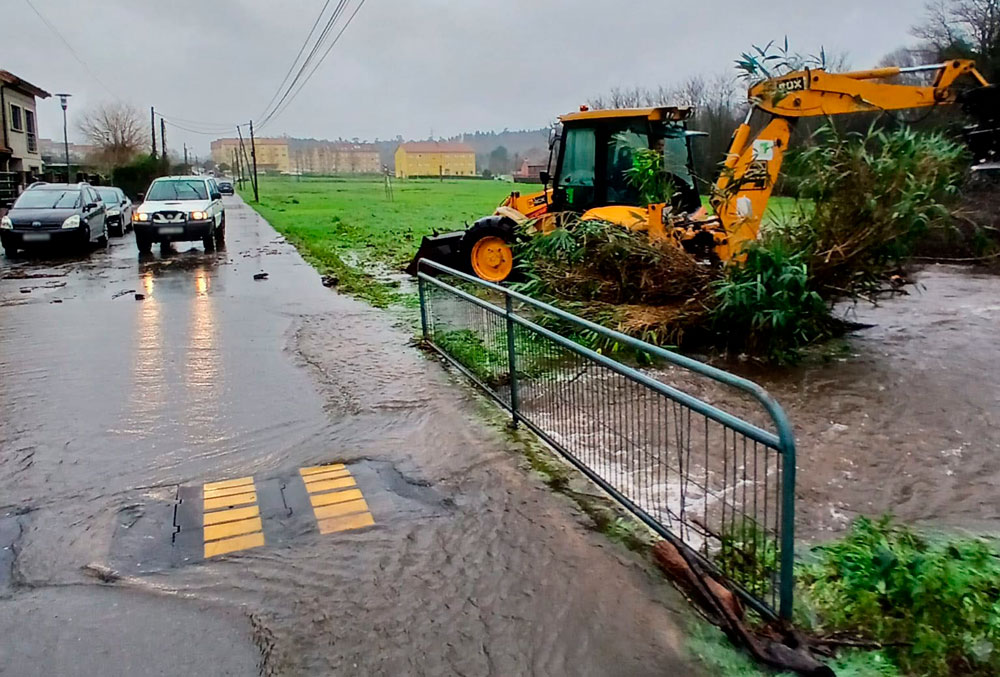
[{"x": 180, "y": 208}]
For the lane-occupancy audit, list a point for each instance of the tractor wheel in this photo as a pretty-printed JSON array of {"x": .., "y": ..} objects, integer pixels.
[{"x": 487, "y": 248}]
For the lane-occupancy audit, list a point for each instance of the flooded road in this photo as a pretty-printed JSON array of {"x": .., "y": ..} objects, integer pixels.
[{"x": 121, "y": 417}]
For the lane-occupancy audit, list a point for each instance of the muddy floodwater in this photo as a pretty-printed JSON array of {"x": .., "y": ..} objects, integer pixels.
[
  {"x": 907, "y": 418},
  {"x": 157, "y": 515}
]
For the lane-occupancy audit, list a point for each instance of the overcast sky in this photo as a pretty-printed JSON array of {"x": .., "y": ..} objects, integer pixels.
[{"x": 409, "y": 67}]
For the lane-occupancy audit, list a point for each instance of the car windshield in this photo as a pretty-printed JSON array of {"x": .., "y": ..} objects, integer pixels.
[
  {"x": 41, "y": 198},
  {"x": 108, "y": 195},
  {"x": 177, "y": 190}
]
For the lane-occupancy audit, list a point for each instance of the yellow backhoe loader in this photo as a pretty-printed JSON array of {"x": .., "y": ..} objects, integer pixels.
[{"x": 590, "y": 177}]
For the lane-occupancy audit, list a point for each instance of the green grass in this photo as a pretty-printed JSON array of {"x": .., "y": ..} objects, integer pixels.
[{"x": 347, "y": 227}]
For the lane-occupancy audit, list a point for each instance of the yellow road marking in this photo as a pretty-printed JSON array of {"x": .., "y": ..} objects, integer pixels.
[
  {"x": 321, "y": 468},
  {"x": 341, "y": 509},
  {"x": 216, "y": 548},
  {"x": 229, "y": 529},
  {"x": 334, "y": 524},
  {"x": 333, "y": 474},
  {"x": 233, "y": 515},
  {"x": 229, "y": 483},
  {"x": 327, "y": 485},
  {"x": 335, "y": 497},
  {"x": 230, "y": 501},
  {"x": 228, "y": 491}
]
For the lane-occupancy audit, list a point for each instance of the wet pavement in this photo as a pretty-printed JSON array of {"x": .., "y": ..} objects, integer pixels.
[{"x": 219, "y": 399}]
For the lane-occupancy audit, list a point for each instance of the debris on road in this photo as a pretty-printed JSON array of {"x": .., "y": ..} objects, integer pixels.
[
  {"x": 330, "y": 280},
  {"x": 25, "y": 290},
  {"x": 122, "y": 293},
  {"x": 102, "y": 573},
  {"x": 139, "y": 297},
  {"x": 260, "y": 276}
]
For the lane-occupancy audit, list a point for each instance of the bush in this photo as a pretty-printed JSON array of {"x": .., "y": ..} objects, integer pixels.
[
  {"x": 767, "y": 305},
  {"x": 135, "y": 177},
  {"x": 933, "y": 604},
  {"x": 865, "y": 199}
]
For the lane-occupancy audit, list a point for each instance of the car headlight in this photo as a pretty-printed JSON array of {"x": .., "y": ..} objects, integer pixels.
[
  {"x": 199, "y": 216},
  {"x": 72, "y": 222},
  {"x": 5, "y": 223},
  {"x": 140, "y": 216},
  {"x": 114, "y": 212}
]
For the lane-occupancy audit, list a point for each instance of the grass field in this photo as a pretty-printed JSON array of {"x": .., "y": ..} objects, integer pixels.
[{"x": 347, "y": 227}]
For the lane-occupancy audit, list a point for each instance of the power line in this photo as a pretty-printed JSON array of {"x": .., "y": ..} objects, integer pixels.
[
  {"x": 70, "y": 48},
  {"x": 338, "y": 10},
  {"x": 277, "y": 112},
  {"x": 291, "y": 67}
]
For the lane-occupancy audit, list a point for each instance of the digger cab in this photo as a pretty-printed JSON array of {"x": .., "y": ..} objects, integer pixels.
[{"x": 596, "y": 151}]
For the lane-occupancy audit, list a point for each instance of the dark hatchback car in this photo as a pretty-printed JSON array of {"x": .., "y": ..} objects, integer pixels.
[
  {"x": 53, "y": 214},
  {"x": 226, "y": 187}
]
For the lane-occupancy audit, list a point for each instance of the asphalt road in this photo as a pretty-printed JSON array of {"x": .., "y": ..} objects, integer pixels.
[{"x": 240, "y": 476}]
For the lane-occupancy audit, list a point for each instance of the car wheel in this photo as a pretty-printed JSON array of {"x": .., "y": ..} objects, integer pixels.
[
  {"x": 8, "y": 248},
  {"x": 209, "y": 242},
  {"x": 144, "y": 244},
  {"x": 119, "y": 230},
  {"x": 102, "y": 240}
]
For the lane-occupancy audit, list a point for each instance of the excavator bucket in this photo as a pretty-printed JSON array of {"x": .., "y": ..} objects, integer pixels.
[{"x": 445, "y": 249}]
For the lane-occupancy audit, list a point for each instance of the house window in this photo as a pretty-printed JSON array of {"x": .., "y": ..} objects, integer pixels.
[
  {"x": 29, "y": 126},
  {"x": 15, "y": 119}
]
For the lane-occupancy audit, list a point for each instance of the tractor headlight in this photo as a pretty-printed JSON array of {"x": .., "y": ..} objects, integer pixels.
[
  {"x": 6, "y": 224},
  {"x": 72, "y": 222}
]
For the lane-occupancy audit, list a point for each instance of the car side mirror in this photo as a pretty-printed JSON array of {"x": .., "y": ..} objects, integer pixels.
[
  {"x": 216, "y": 196},
  {"x": 544, "y": 177},
  {"x": 124, "y": 202},
  {"x": 91, "y": 205}
]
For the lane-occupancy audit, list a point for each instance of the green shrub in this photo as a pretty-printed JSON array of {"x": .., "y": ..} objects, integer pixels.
[
  {"x": 935, "y": 605},
  {"x": 767, "y": 306}
]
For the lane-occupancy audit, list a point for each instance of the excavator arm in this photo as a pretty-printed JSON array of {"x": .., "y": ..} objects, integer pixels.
[{"x": 754, "y": 162}]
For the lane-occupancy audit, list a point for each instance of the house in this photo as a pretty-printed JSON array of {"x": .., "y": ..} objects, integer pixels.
[
  {"x": 309, "y": 156},
  {"x": 272, "y": 154},
  {"x": 19, "y": 152},
  {"x": 435, "y": 158},
  {"x": 530, "y": 171}
]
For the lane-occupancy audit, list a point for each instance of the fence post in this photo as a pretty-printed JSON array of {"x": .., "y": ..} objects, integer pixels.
[
  {"x": 423, "y": 305},
  {"x": 511, "y": 353},
  {"x": 787, "y": 583}
]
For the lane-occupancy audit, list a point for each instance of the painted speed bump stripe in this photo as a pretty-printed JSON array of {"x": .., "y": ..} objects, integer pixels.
[
  {"x": 229, "y": 483},
  {"x": 227, "y": 527},
  {"x": 233, "y": 515},
  {"x": 216, "y": 548},
  {"x": 230, "y": 501},
  {"x": 338, "y": 504},
  {"x": 336, "y": 524}
]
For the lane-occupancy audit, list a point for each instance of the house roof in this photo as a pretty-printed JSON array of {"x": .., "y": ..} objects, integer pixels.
[
  {"x": 17, "y": 83},
  {"x": 436, "y": 147},
  {"x": 246, "y": 141}
]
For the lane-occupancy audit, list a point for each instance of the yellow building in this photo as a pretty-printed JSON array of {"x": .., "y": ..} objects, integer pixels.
[
  {"x": 435, "y": 158},
  {"x": 272, "y": 154}
]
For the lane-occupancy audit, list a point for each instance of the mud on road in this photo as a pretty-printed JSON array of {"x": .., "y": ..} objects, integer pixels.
[{"x": 113, "y": 407}]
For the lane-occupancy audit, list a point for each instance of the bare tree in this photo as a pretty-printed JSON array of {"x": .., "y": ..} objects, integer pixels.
[
  {"x": 964, "y": 28},
  {"x": 117, "y": 129}
]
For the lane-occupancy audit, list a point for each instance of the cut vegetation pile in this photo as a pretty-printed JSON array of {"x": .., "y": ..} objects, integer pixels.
[{"x": 862, "y": 202}]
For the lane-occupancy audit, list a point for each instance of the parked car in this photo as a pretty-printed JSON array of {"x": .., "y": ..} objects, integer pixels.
[
  {"x": 54, "y": 213},
  {"x": 180, "y": 209},
  {"x": 119, "y": 209},
  {"x": 226, "y": 187}
]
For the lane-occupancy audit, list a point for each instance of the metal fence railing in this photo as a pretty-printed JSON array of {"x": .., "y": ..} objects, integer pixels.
[{"x": 698, "y": 474}]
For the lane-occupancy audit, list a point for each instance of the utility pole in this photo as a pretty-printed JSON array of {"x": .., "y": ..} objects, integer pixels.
[
  {"x": 185, "y": 153},
  {"x": 246, "y": 161},
  {"x": 152, "y": 130},
  {"x": 62, "y": 102},
  {"x": 163, "y": 138},
  {"x": 253, "y": 156}
]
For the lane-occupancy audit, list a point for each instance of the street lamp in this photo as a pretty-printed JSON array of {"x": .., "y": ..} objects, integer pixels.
[{"x": 62, "y": 102}]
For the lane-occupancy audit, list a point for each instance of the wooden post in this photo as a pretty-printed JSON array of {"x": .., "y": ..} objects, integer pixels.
[
  {"x": 152, "y": 130},
  {"x": 253, "y": 157}
]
